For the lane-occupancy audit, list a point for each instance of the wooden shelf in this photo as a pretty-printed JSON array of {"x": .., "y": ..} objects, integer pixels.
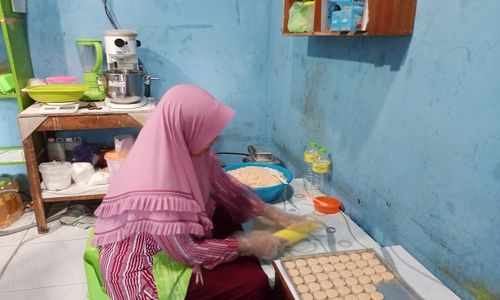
[{"x": 386, "y": 18}]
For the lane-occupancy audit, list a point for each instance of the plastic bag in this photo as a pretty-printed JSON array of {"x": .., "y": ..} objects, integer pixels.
[{"x": 300, "y": 17}]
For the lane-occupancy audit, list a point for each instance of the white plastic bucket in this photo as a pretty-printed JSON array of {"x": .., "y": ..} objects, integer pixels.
[{"x": 56, "y": 175}]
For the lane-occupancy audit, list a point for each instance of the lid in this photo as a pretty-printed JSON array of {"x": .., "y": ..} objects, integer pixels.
[
  {"x": 313, "y": 144},
  {"x": 308, "y": 3},
  {"x": 322, "y": 150},
  {"x": 120, "y": 32},
  {"x": 113, "y": 155},
  {"x": 87, "y": 42}
]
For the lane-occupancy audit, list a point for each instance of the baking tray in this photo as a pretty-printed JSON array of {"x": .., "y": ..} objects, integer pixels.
[{"x": 395, "y": 288}]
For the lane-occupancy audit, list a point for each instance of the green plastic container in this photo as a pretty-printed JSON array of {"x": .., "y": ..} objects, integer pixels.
[
  {"x": 52, "y": 93},
  {"x": 7, "y": 83}
]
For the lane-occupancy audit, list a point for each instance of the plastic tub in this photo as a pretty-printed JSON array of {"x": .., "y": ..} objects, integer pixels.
[
  {"x": 327, "y": 205},
  {"x": 271, "y": 193},
  {"x": 56, "y": 175}
]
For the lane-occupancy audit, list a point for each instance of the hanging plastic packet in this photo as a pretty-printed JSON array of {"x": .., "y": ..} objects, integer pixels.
[{"x": 301, "y": 16}]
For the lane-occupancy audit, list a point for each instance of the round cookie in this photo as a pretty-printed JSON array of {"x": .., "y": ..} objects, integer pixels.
[
  {"x": 326, "y": 284},
  {"x": 334, "y": 275},
  {"x": 380, "y": 269},
  {"x": 323, "y": 260},
  {"x": 293, "y": 272},
  {"x": 376, "y": 278},
  {"x": 377, "y": 296},
  {"x": 351, "y": 281},
  {"x": 364, "y": 296},
  {"x": 298, "y": 280},
  {"x": 350, "y": 265},
  {"x": 367, "y": 255},
  {"x": 306, "y": 296},
  {"x": 314, "y": 287},
  {"x": 369, "y": 288},
  {"x": 345, "y": 274},
  {"x": 373, "y": 262},
  {"x": 289, "y": 264},
  {"x": 304, "y": 271},
  {"x": 356, "y": 289},
  {"x": 355, "y": 257},
  {"x": 343, "y": 291},
  {"x": 333, "y": 259},
  {"x": 316, "y": 269},
  {"x": 364, "y": 279},
  {"x": 339, "y": 267},
  {"x": 309, "y": 278},
  {"x": 357, "y": 272},
  {"x": 300, "y": 263},
  {"x": 361, "y": 264},
  {"x": 320, "y": 295},
  {"x": 344, "y": 258},
  {"x": 302, "y": 288},
  {"x": 328, "y": 267},
  {"x": 331, "y": 293},
  {"x": 322, "y": 277},
  {"x": 369, "y": 271},
  {"x": 387, "y": 276},
  {"x": 350, "y": 297},
  {"x": 338, "y": 282},
  {"x": 312, "y": 261}
]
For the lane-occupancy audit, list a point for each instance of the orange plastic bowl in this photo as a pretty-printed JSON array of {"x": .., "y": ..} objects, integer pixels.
[{"x": 327, "y": 205}]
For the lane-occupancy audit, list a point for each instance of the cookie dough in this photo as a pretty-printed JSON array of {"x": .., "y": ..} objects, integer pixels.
[
  {"x": 302, "y": 288},
  {"x": 387, "y": 276},
  {"x": 304, "y": 271},
  {"x": 298, "y": 280},
  {"x": 345, "y": 274},
  {"x": 356, "y": 289},
  {"x": 344, "y": 258},
  {"x": 377, "y": 296},
  {"x": 364, "y": 279},
  {"x": 376, "y": 278},
  {"x": 293, "y": 272},
  {"x": 300, "y": 263},
  {"x": 334, "y": 275},
  {"x": 367, "y": 255},
  {"x": 343, "y": 291},
  {"x": 323, "y": 260},
  {"x": 369, "y": 271},
  {"x": 380, "y": 269},
  {"x": 322, "y": 277},
  {"x": 306, "y": 296},
  {"x": 373, "y": 262},
  {"x": 350, "y": 265},
  {"x": 351, "y": 281},
  {"x": 369, "y": 288},
  {"x": 309, "y": 278},
  {"x": 333, "y": 259},
  {"x": 331, "y": 293},
  {"x": 357, "y": 272},
  {"x": 338, "y": 282},
  {"x": 312, "y": 261},
  {"x": 361, "y": 263},
  {"x": 316, "y": 269},
  {"x": 355, "y": 257},
  {"x": 339, "y": 267},
  {"x": 364, "y": 296},
  {"x": 326, "y": 284},
  {"x": 328, "y": 267},
  {"x": 314, "y": 287},
  {"x": 320, "y": 295},
  {"x": 289, "y": 264}
]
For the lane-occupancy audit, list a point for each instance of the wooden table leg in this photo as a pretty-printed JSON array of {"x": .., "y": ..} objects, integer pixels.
[{"x": 34, "y": 184}]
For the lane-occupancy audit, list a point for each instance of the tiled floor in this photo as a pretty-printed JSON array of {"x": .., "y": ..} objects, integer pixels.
[{"x": 43, "y": 267}]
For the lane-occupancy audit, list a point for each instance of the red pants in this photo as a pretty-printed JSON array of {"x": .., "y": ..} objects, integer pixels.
[{"x": 240, "y": 279}]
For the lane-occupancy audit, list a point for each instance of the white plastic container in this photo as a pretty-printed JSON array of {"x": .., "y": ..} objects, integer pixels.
[
  {"x": 56, "y": 175},
  {"x": 81, "y": 172},
  {"x": 55, "y": 149},
  {"x": 114, "y": 160},
  {"x": 123, "y": 143}
]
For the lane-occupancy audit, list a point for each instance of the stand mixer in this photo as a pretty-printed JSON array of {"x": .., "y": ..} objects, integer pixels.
[{"x": 124, "y": 81}]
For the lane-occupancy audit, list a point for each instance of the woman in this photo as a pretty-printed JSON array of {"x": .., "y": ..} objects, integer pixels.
[{"x": 172, "y": 195}]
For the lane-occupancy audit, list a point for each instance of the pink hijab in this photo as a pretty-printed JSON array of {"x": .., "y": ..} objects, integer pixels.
[{"x": 160, "y": 189}]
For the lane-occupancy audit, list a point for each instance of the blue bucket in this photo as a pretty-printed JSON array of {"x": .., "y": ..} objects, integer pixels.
[{"x": 271, "y": 193}]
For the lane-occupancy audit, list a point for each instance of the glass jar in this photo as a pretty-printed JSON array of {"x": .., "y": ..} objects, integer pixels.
[{"x": 11, "y": 205}]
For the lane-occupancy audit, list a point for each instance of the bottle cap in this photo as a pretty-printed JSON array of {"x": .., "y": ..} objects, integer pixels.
[
  {"x": 313, "y": 144},
  {"x": 68, "y": 139},
  {"x": 322, "y": 150}
]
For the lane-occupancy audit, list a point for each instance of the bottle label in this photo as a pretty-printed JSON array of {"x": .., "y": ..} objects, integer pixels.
[
  {"x": 308, "y": 157},
  {"x": 322, "y": 167}
]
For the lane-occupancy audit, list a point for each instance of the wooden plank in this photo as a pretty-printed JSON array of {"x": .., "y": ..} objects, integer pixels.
[
  {"x": 74, "y": 198},
  {"x": 56, "y": 123}
]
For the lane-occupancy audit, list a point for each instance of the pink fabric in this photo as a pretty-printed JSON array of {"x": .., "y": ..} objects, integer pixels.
[{"x": 160, "y": 188}]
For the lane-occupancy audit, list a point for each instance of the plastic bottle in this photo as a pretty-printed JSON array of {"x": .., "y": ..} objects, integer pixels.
[
  {"x": 309, "y": 156},
  {"x": 70, "y": 144},
  {"x": 55, "y": 149},
  {"x": 321, "y": 167}
]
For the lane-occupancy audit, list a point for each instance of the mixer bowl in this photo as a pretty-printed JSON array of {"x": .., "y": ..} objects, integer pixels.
[{"x": 124, "y": 86}]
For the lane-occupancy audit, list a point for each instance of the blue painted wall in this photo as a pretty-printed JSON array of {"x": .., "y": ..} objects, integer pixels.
[{"x": 413, "y": 124}]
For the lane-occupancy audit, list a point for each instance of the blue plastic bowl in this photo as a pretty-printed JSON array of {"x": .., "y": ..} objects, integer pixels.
[{"x": 271, "y": 193}]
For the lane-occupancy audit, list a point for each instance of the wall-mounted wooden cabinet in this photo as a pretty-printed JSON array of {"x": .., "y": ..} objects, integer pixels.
[{"x": 386, "y": 17}]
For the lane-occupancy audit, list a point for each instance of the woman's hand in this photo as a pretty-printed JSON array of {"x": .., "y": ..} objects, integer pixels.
[
  {"x": 280, "y": 217},
  {"x": 262, "y": 244}
]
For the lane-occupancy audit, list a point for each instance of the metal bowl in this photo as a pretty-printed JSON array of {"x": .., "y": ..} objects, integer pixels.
[{"x": 124, "y": 86}]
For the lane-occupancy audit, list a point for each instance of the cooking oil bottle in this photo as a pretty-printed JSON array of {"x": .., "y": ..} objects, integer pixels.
[
  {"x": 321, "y": 168},
  {"x": 310, "y": 155}
]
